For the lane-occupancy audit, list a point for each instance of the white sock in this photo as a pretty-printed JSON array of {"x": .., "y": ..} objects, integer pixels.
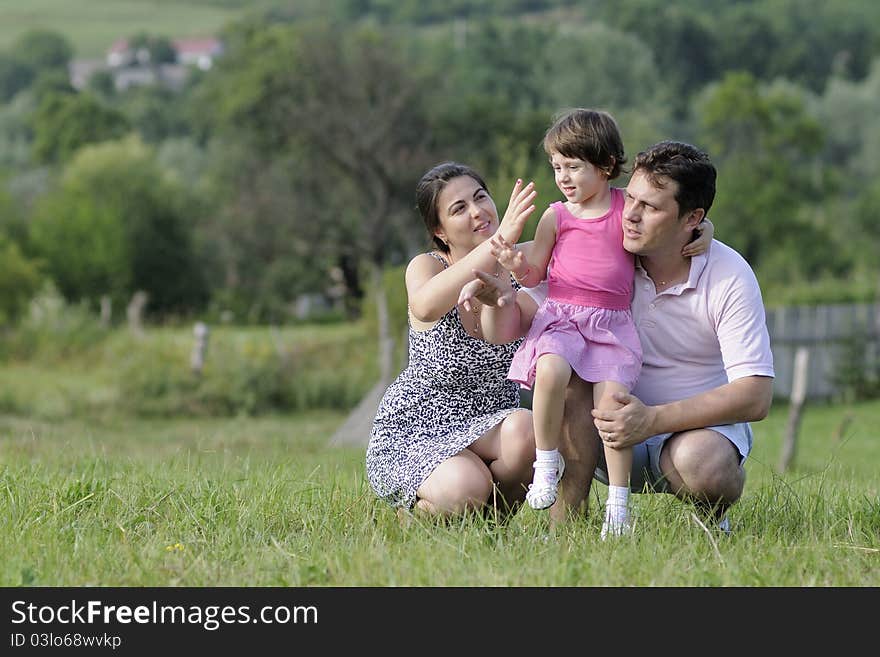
[
  {"x": 546, "y": 463},
  {"x": 617, "y": 505},
  {"x": 551, "y": 455}
]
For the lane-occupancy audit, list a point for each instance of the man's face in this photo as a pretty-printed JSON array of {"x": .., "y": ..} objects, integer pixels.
[{"x": 651, "y": 222}]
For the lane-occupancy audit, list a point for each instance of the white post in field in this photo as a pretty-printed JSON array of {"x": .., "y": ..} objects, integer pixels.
[
  {"x": 200, "y": 348},
  {"x": 796, "y": 401}
]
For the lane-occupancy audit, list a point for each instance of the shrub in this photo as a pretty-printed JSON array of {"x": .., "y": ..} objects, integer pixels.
[
  {"x": 857, "y": 368},
  {"x": 52, "y": 330},
  {"x": 19, "y": 281},
  {"x": 250, "y": 372}
]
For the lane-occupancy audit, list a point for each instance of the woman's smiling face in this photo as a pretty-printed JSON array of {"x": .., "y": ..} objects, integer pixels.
[{"x": 468, "y": 216}]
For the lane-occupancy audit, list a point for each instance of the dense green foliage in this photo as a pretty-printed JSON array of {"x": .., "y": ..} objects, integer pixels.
[
  {"x": 299, "y": 149},
  {"x": 115, "y": 225},
  {"x": 19, "y": 282}
]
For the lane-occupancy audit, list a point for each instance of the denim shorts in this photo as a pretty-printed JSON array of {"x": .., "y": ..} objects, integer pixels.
[{"x": 646, "y": 476}]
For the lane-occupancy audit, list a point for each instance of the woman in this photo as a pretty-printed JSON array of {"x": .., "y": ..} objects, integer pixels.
[{"x": 449, "y": 435}]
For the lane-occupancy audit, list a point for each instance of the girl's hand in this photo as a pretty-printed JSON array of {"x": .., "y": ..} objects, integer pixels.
[
  {"x": 489, "y": 289},
  {"x": 518, "y": 212},
  {"x": 509, "y": 257},
  {"x": 706, "y": 230}
]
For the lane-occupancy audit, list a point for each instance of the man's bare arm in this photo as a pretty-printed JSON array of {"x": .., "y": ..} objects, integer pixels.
[{"x": 744, "y": 400}]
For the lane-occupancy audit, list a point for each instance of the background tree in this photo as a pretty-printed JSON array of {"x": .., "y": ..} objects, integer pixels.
[
  {"x": 102, "y": 84},
  {"x": 20, "y": 279},
  {"x": 13, "y": 223},
  {"x": 151, "y": 50},
  {"x": 14, "y": 76},
  {"x": 153, "y": 111},
  {"x": 822, "y": 38},
  {"x": 42, "y": 50},
  {"x": 848, "y": 112},
  {"x": 340, "y": 112},
  {"x": 115, "y": 225},
  {"x": 16, "y": 137},
  {"x": 33, "y": 53},
  {"x": 766, "y": 147},
  {"x": 286, "y": 142},
  {"x": 66, "y": 122},
  {"x": 683, "y": 42}
]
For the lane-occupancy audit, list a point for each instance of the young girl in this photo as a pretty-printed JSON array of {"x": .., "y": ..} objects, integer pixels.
[{"x": 585, "y": 324}]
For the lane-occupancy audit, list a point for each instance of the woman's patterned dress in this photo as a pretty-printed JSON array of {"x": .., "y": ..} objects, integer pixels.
[{"x": 454, "y": 389}]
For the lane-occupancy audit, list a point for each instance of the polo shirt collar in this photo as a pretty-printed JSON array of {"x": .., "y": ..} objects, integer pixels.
[{"x": 698, "y": 265}]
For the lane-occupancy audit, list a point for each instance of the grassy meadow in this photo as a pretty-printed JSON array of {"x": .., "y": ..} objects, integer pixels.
[{"x": 95, "y": 490}]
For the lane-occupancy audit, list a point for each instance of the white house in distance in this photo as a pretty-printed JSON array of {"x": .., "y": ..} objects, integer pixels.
[
  {"x": 130, "y": 68},
  {"x": 200, "y": 52},
  {"x": 197, "y": 52}
]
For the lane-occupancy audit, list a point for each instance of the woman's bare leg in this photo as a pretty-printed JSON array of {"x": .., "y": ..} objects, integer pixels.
[
  {"x": 509, "y": 450},
  {"x": 460, "y": 483}
]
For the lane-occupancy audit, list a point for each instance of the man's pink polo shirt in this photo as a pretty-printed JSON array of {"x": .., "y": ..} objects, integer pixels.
[
  {"x": 703, "y": 333},
  {"x": 700, "y": 334}
]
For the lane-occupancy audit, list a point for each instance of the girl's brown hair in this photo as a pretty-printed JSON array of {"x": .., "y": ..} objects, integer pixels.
[{"x": 589, "y": 135}]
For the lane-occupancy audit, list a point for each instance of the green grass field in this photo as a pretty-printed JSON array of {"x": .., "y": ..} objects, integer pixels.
[
  {"x": 113, "y": 500},
  {"x": 91, "y": 26}
]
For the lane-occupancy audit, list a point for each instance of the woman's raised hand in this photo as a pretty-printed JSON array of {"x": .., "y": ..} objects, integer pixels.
[{"x": 518, "y": 211}]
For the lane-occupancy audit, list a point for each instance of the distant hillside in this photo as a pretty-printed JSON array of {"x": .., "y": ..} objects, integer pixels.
[{"x": 92, "y": 25}]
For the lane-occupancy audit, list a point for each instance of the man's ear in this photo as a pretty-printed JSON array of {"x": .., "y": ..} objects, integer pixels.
[{"x": 694, "y": 218}]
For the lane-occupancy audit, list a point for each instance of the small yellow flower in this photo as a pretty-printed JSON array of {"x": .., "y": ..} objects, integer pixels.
[{"x": 176, "y": 547}]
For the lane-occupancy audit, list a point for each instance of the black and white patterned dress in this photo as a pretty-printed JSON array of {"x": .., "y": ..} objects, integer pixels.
[{"x": 454, "y": 389}]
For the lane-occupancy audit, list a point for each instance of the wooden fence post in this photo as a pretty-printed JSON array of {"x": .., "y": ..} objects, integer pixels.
[
  {"x": 106, "y": 310},
  {"x": 200, "y": 348},
  {"x": 135, "y": 312},
  {"x": 796, "y": 401}
]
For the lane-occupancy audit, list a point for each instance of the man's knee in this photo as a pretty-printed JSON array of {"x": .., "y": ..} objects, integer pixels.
[{"x": 705, "y": 465}]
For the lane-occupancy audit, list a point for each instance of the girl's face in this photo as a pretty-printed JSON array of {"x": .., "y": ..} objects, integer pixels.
[
  {"x": 467, "y": 214},
  {"x": 577, "y": 179}
]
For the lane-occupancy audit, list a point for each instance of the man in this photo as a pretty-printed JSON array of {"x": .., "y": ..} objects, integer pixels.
[{"x": 707, "y": 366}]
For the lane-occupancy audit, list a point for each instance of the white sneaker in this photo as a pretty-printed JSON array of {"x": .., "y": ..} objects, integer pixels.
[{"x": 542, "y": 495}]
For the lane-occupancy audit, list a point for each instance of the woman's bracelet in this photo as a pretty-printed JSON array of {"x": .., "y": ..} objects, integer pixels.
[{"x": 519, "y": 278}]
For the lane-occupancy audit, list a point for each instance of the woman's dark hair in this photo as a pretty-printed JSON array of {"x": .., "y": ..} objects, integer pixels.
[
  {"x": 428, "y": 192},
  {"x": 588, "y": 135}
]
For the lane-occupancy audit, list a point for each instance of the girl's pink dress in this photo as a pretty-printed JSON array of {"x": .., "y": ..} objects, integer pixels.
[{"x": 586, "y": 317}]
